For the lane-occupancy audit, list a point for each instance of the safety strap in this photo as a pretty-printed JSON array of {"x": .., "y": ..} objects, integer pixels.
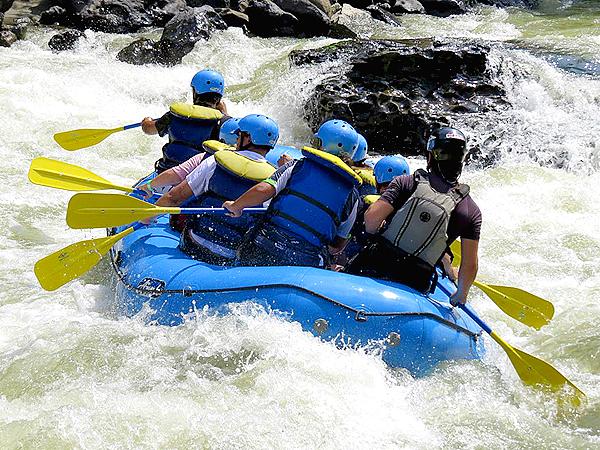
[
  {"x": 295, "y": 221},
  {"x": 314, "y": 202}
]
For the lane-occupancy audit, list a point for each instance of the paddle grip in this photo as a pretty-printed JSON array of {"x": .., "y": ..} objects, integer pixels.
[
  {"x": 477, "y": 320},
  {"x": 133, "y": 125},
  {"x": 218, "y": 210}
]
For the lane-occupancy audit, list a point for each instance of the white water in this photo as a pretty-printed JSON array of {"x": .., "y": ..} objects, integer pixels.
[{"x": 71, "y": 375}]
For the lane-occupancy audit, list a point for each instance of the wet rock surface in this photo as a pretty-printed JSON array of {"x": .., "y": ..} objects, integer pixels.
[
  {"x": 178, "y": 38},
  {"x": 7, "y": 38},
  {"x": 113, "y": 16},
  {"x": 5, "y": 5},
  {"x": 393, "y": 91},
  {"x": 65, "y": 40}
]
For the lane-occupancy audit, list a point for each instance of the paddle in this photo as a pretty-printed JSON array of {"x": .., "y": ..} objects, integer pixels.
[
  {"x": 527, "y": 308},
  {"x": 531, "y": 370},
  {"x": 65, "y": 265},
  {"x": 61, "y": 175},
  {"x": 86, "y": 137},
  {"x": 111, "y": 210}
]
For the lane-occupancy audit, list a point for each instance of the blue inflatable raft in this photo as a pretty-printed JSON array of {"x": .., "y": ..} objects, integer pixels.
[{"x": 414, "y": 331}]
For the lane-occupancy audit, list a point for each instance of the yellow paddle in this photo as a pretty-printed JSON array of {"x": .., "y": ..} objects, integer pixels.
[
  {"x": 527, "y": 308},
  {"x": 531, "y": 370},
  {"x": 112, "y": 210},
  {"x": 61, "y": 175},
  {"x": 65, "y": 265},
  {"x": 86, "y": 137}
]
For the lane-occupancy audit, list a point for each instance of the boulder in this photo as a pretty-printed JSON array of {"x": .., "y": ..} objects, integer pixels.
[
  {"x": 379, "y": 12},
  {"x": 5, "y": 5},
  {"x": 65, "y": 40},
  {"x": 212, "y": 3},
  {"x": 268, "y": 20},
  {"x": 393, "y": 91},
  {"x": 234, "y": 18},
  {"x": 113, "y": 16},
  {"x": 54, "y": 15},
  {"x": 7, "y": 38},
  {"x": 407, "y": 7},
  {"x": 323, "y": 5},
  {"x": 178, "y": 38},
  {"x": 20, "y": 27},
  {"x": 1, "y": 18},
  {"x": 312, "y": 21},
  {"x": 444, "y": 8}
]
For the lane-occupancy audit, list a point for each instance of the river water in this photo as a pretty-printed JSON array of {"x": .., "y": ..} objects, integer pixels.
[{"x": 73, "y": 376}]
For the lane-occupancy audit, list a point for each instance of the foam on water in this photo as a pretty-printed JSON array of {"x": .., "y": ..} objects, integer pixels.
[{"x": 72, "y": 375}]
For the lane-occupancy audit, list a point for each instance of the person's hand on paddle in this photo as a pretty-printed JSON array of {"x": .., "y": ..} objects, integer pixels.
[
  {"x": 149, "y": 125},
  {"x": 459, "y": 297},
  {"x": 146, "y": 190},
  {"x": 284, "y": 159},
  {"x": 234, "y": 210}
]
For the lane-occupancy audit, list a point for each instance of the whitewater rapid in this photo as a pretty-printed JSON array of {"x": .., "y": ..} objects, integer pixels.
[{"x": 72, "y": 375}]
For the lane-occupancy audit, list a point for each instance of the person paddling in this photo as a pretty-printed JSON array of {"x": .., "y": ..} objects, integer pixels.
[
  {"x": 223, "y": 176},
  {"x": 188, "y": 126},
  {"x": 419, "y": 216},
  {"x": 314, "y": 204}
]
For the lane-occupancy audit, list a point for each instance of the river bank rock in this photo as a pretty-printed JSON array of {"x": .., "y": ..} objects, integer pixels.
[
  {"x": 5, "y": 5},
  {"x": 7, "y": 38},
  {"x": 65, "y": 40},
  {"x": 112, "y": 16},
  {"x": 393, "y": 91},
  {"x": 178, "y": 38}
]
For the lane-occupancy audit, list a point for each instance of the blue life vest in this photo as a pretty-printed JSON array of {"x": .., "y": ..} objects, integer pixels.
[
  {"x": 189, "y": 127},
  {"x": 312, "y": 203},
  {"x": 234, "y": 174}
]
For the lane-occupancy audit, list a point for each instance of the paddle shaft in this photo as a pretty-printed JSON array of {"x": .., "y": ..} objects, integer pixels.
[
  {"x": 133, "y": 125},
  {"x": 475, "y": 318}
]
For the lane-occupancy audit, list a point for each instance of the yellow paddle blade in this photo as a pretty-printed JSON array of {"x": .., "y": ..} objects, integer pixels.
[
  {"x": 110, "y": 210},
  {"x": 534, "y": 371},
  {"x": 85, "y": 137},
  {"x": 455, "y": 247},
  {"x": 519, "y": 304},
  {"x": 65, "y": 265},
  {"x": 61, "y": 175}
]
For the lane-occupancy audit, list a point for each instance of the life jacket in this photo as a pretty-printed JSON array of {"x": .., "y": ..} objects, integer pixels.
[
  {"x": 234, "y": 174},
  {"x": 190, "y": 126},
  {"x": 419, "y": 228},
  {"x": 370, "y": 199},
  {"x": 312, "y": 203},
  {"x": 369, "y": 185}
]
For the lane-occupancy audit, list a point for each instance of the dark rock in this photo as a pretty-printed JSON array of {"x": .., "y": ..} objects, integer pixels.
[
  {"x": 340, "y": 31},
  {"x": 114, "y": 16},
  {"x": 54, "y": 15},
  {"x": 392, "y": 91},
  {"x": 378, "y": 12},
  {"x": 20, "y": 27},
  {"x": 444, "y": 8},
  {"x": 312, "y": 21},
  {"x": 268, "y": 20},
  {"x": 212, "y": 3},
  {"x": 140, "y": 52},
  {"x": 7, "y": 38},
  {"x": 1, "y": 18},
  {"x": 323, "y": 5},
  {"x": 65, "y": 40},
  {"x": 408, "y": 7},
  {"x": 5, "y": 5},
  {"x": 234, "y": 18},
  {"x": 177, "y": 40}
]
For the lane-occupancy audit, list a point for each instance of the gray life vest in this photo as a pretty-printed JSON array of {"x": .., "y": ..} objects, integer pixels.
[{"x": 419, "y": 228}]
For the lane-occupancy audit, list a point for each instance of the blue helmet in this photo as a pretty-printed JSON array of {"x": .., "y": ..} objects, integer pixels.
[
  {"x": 389, "y": 167},
  {"x": 228, "y": 129},
  {"x": 361, "y": 149},
  {"x": 337, "y": 136},
  {"x": 208, "y": 81},
  {"x": 261, "y": 129}
]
